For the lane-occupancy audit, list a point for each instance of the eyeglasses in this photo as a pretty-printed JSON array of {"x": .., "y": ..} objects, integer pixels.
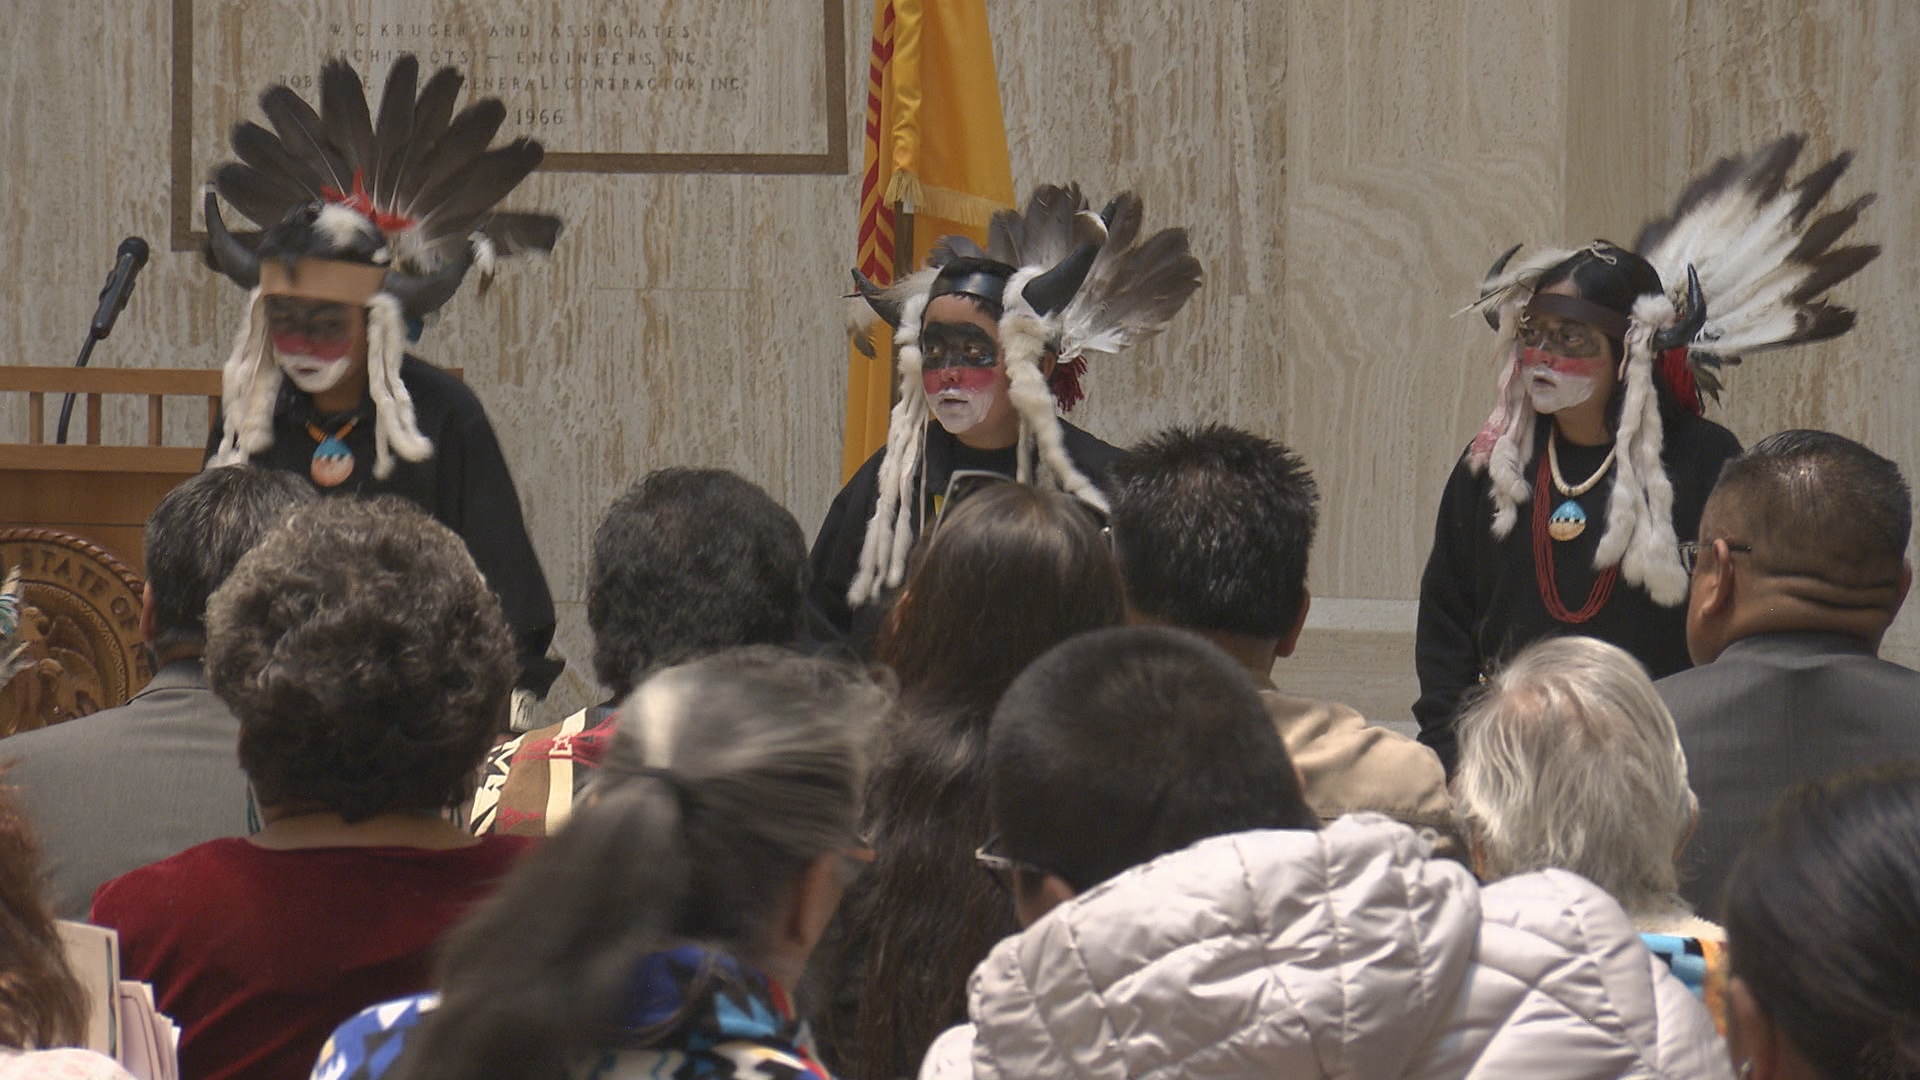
[
  {"x": 1690, "y": 553},
  {"x": 1560, "y": 337},
  {"x": 1000, "y": 867}
]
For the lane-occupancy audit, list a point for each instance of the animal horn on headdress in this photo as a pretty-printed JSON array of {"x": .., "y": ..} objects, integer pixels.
[
  {"x": 1682, "y": 332},
  {"x": 876, "y": 298},
  {"x": 1054, "y": 289},
  {"x": 420, "y": 294},
  {"x": 229, "y": 254},
  {"x": 1492, "y": 314}
]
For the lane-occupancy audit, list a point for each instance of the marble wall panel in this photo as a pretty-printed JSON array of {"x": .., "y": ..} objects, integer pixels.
[{"x": 1346, "y": 169}]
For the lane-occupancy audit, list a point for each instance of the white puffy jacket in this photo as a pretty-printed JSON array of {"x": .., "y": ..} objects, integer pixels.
[{"x": 1340, "y": 953}]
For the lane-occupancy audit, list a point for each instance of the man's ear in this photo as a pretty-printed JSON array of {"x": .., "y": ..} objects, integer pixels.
[
  {"x": 1906, "y": 583},
  {"x": 1291, "y": 639},
  {"x": 1717, "y": 581},
  {"x": 149, "y": 614}
]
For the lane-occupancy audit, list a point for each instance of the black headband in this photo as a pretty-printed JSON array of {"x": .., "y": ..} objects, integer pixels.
[{"x": 1604, "y": 319}]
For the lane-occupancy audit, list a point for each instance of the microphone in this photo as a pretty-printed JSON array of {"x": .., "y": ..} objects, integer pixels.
[
  {"x": 113, "y": 298},
  {"x": 129, "y": 259}
]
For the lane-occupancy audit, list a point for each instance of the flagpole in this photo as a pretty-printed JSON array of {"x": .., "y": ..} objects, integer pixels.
[{"x": 902, "y": 267}]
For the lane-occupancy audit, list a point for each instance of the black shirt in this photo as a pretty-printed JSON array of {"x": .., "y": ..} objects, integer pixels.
[
  {"x": 836, "y": 550},
  {"x": 465, "y": 485},
  {"x": 1480, "y": 597}
]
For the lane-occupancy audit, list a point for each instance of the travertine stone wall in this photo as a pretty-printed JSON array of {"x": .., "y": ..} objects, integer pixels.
[{"x": 1347, "y": 171}]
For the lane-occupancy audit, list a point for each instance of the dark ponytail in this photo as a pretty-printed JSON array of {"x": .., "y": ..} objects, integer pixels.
[{"x": 728, "y": 777}]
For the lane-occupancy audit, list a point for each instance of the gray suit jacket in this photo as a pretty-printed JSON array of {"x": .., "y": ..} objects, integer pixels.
[
  {"x": 1775, "y": 710},
  {"x": 125, "y": 787}
]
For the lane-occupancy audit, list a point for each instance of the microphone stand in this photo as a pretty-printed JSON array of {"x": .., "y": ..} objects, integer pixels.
[{"x": 66, "y": 407}]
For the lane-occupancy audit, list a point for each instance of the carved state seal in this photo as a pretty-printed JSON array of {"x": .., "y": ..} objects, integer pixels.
[{"x": 82, "y": 622}]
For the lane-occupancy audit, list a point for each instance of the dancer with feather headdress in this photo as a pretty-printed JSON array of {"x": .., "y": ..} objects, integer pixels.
[
  {"x": 369, "y": 224},
  {"x": 1604, "y": 357},
  {"x": 992, "y": 344}
]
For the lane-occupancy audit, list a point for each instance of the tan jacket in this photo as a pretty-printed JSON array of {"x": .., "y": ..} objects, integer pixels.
[{"x": 1348, "y": 765}]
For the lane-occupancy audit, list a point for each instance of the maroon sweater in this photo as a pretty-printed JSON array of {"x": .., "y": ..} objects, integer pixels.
[{"x": 259, "y": 954}]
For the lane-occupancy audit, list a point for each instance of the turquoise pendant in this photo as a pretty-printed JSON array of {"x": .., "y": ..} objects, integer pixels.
[
  {"x": 332, "y": 462},
  {"x": 1568, "y": 521}
]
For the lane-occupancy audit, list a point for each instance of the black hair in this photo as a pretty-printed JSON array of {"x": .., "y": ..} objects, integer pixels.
[
  {"x": 728, "y": 778},
  {"x": 199, "y": 531},
  {"x": 365, "y": 658},
  {"x": 689, "y": 562},
  {"x": 1823, "y": 921},
  {"x": 1817, "y": 503},
  {"x": 1212, "y": 527},
  {"x": 1005, "y": 576},
  {"x": 1125, "y": 744}
]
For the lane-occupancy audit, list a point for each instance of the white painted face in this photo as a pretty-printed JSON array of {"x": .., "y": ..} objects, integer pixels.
[
  {"x": 312, "y": 374},
  {"x": 961, "y": 370},
  {"x": 315, "y": 342},
  {"x": 1556, "y": 382}
]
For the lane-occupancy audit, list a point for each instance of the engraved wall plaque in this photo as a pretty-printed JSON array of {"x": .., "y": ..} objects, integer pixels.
[{"x": 618, "y": 86}]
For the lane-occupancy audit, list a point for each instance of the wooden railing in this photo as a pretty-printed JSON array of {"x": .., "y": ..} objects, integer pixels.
[
  {"x": 91, "y": 384},
  {"x": 102, "y": 493}
]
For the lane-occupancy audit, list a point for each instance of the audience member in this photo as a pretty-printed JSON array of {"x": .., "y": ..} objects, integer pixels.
[
  {"x": 1006, "y": 575},
  {"x": 1801, "y": 568},
  {"x": 370, "y": 669},
  {"x": 42, "y": 1007},
  {"x": 1823, "y": 932},
  {"x": 1212, "y": 528},
  {"x": 657, "y": 934},
  {"x": 688, "y": 562},
  {"x": 128, "y": 786},
  {"x": 1569, "y": 759},
  {"x": 1186, "y": 918}
]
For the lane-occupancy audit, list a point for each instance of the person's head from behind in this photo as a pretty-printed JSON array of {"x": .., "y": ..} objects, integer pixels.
[
  {"x": 1805, "y": 531},
  {"x": 366, "y": 659},
  {"x": 1123, "y": 745},
  {"x": 41, "y": 1004},
  {"x": 193, "y": 539},
  {"x": 1212, "y": 527},
  {"x": 719, "y": 832},
  {"x": 1570, "y": 760},
  {"x": 1823, "y": 932},
  {"x": 1006, "y": 575},
  {"x": 689, "y": 562}
]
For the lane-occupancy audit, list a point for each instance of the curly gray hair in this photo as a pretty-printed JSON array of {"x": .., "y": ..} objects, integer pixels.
[{"x": 1569, "y": 759}]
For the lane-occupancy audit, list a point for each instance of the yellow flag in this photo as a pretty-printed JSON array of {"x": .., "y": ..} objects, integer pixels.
[{"x": 936, "y": 147}]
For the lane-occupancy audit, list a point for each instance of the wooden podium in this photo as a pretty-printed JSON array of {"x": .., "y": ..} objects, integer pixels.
[{"x": 72, "y": 517}]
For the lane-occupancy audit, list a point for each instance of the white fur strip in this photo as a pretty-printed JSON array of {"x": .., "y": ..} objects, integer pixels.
[
  {"x": 249, "y": 383},
  {"x": 1640, "y": 534},
  {"x": 396, "y": 428},
  {"x": 893, "y": 508},
  {"x": 1023, "y": 340}
]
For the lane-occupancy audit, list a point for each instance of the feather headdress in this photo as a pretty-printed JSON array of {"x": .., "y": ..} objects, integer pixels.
[
  {"x": 1067, "y": 281},
  {"x": 412, "y": 192},
  {"x": 1746, "y": 261}
]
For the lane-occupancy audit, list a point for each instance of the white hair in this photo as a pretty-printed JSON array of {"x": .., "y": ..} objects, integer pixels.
[{"x": 1570, "y": 760}]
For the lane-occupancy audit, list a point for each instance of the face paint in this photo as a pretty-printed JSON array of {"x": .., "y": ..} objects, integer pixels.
[
  {"x": 961, "y": 396},
  {"x": 960, "y": 373},
  {"x": 312, "y": 341},
  {"x": 1555, "y": 382}
]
